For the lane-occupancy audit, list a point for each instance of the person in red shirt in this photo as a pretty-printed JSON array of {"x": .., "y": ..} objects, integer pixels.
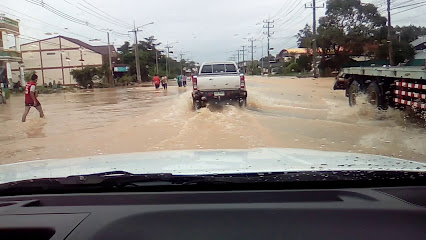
[
  {"x": 31, "y": 98},
  {"x": 156, "y": 81}
]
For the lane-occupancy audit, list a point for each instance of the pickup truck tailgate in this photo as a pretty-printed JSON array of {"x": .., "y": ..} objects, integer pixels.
[{"x": 218, "y": 82}]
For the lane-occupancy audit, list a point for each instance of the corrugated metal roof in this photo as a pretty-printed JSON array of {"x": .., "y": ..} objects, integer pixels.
[{"x": 103, "y": 50}]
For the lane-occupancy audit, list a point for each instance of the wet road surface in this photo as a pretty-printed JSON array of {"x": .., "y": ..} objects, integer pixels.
[{"x": 282, "y": 112}]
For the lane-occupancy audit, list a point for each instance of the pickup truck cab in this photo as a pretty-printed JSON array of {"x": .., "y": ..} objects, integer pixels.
[{"x": 217, "y": 83}]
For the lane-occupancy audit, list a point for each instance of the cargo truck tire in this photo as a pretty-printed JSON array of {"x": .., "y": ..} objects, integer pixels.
[
  {"x": 353, "y": 92},
  {"x": 375, "y": 95}
]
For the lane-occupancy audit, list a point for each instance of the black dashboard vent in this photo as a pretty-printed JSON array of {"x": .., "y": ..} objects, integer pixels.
[{"x": 27, "y": 233}]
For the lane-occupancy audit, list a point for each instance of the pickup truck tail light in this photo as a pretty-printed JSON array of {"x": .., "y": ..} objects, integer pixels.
[
  {"x": 242, "y": 82},
  {"x": 194, "y": 82}
]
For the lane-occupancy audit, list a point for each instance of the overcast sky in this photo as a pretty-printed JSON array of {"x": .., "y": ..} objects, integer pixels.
[{"x": 204, "y": 30}]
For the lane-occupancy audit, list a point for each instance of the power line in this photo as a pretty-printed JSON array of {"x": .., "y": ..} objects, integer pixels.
[
  {"x": 33, "y": 18},
  {"x": 424, "y": 4},
  {"x": 289, "y": 9},
  {"x": 410, "y": 17},
  {"x": 59, "y": 13},
  {"x": 63, "y": 15},
  {"x": 128, "y": 25},
  {"x": 409, "y": 5},
  {"x": 94, "y": 14},
  {"x": 293, "y": 18}
]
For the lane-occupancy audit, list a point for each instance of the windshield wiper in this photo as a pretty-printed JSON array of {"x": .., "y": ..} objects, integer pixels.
[{"x": 125, "y": 181}]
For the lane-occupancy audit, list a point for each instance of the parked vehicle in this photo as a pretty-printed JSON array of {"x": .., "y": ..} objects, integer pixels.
[
  {"x": 217, "y": 83},
  {"x": 396, "y": 87}
]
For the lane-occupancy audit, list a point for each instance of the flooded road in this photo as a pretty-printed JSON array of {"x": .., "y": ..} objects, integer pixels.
[{"x": 282, "y": 112}]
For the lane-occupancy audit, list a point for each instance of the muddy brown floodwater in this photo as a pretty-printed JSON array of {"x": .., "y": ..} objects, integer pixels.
[{"x": 282, "y": 112}]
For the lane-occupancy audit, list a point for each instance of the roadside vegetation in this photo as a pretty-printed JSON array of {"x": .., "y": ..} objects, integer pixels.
[{"x": 351, "y": 28}]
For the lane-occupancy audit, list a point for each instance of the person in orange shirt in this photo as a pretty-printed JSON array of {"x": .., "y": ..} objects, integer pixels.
[{"x": 156, "y": 81}]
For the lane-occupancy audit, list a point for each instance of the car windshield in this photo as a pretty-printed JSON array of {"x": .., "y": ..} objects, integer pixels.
[{"x": 198, "y": 87}]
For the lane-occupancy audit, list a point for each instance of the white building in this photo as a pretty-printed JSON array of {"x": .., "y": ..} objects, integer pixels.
[{"x": 54, "y": 58}]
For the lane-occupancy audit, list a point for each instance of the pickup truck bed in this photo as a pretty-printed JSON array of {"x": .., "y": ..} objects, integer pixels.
[{"x": 214, "y": 82}]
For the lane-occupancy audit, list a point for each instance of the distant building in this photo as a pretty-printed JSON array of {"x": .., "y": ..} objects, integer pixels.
[
  {"x": 287, "y": 54},
  {"x": 54, "y": 58},
  {"x": 420, "y": 47},
  {"x": 12, "y": 55}
]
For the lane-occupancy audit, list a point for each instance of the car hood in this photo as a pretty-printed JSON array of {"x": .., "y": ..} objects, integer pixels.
[{"x": 203, "y": 162}]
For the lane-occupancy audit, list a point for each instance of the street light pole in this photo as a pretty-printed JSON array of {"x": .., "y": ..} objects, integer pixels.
[
  {"x": 181, "y": 68},
  {"x": 167, "y": 59}
]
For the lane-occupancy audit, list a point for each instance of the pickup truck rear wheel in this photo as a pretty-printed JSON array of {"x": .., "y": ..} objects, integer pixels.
[
  {"x": 242, "y": 102},
  {"x": 353, "y": 92},
  {"x": 196, "y": 104}
]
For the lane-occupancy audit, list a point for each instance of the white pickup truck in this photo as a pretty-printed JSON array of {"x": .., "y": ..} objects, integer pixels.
[{"x": 219, "y": 82}]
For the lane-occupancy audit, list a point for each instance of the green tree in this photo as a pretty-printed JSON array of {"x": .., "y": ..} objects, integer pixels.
[
  {"x": 305, "y": 62},
  {"x": 147, "y": 54},
  {"x": 403, "y": 51},
  {"x": 85, "y": 76},
  {"x": 348, "y": 26},
  {"x": 408, "y": 33},
  {"x": 293, "y": 67},
  {"x": 305, "y": 37}
]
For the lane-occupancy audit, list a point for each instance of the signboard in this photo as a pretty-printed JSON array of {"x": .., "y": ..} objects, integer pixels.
[{"x": 121, "y": 69}]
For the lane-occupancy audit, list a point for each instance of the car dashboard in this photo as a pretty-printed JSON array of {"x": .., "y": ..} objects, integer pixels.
[{"x": 366, "y": 213}]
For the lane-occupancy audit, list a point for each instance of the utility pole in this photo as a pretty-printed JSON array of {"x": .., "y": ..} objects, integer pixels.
[
  {"x": 239, "y": 57},
  {"x": 268, "y": 25},
  {"x": 314, "y": 41},
  {"x": 138, "y": 67},
  {"x": 181, "y": 68},
  {"x": 238, "y": 63},
  {"x": 391, "y": 60},
  {"x": 111, "y": 73},
  {"x": 262, "y": 59},
  {"x": 167, "y": 59},
  {"x": 244, "y": 51},
  {"x": 252, "y": 58},
  {"x": 154, "y": 45}
]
